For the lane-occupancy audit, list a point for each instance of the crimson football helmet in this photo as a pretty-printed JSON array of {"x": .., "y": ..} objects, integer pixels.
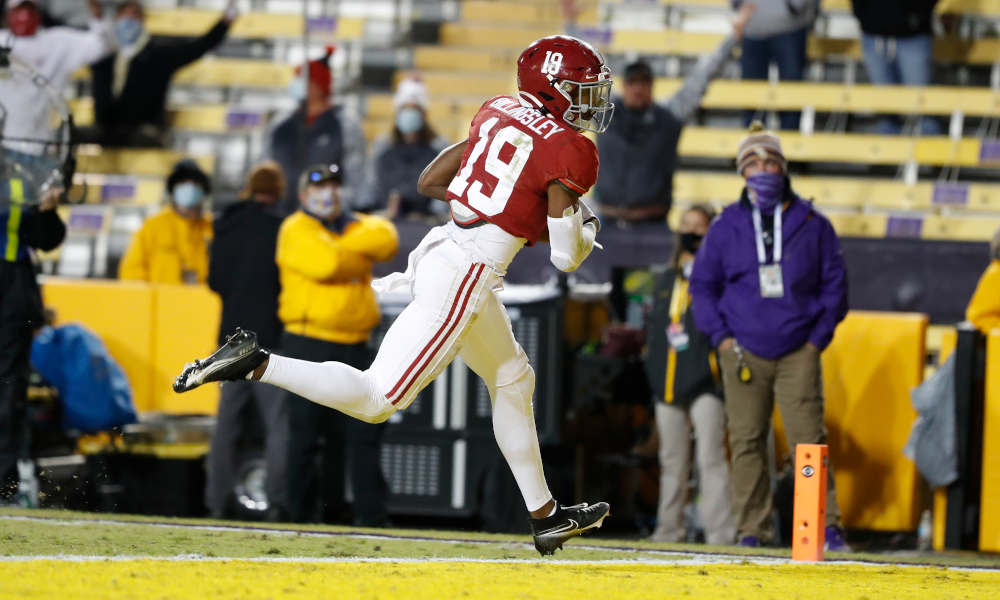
[{"x": 568, "y": 79}]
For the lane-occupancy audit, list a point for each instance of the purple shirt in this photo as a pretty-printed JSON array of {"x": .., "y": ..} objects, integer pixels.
[{"x": 725, "y": 284}]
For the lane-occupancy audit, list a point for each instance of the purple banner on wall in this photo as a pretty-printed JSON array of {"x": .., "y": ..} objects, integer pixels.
[
  {"x": 118, "y": 191},
  {"x": 323, "y": 25},
  {"x": 989, "y": 151},
  {"x": 242, "y": 119},
  {"x": 904, "y": 227},
  {"x": 598, "y": 36},
  {"x": 950, "y": 194},
  {"x": 90, "y": 221}
]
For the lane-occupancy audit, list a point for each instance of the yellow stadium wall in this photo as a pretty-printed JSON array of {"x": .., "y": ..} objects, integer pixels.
[
  {"x": 989, "y": 510},
  {"x": 152, "y": 330},
  {"x": 868, "y": 371}
]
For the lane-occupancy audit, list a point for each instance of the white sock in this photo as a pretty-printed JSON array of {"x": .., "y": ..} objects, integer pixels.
[
  {"x": 332, "y": 384},
  {"x": 555, "y": 507},
  {"x": 514, "y": 428}
]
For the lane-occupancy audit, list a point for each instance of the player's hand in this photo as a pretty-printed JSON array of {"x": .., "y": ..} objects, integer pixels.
[
  {"x": 742, "y": 17},
  {"x": 50, "y": 199},
  {"x": 232, "y": 12},
  {"x": 727, "y": 344},
  {"x": 812, "y": 347}
]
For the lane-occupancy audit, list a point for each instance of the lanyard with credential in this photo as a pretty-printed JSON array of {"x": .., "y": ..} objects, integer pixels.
[{"x": 759, "y": 235}]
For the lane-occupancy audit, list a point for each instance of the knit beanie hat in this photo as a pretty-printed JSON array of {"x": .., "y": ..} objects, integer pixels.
[
  {"x": 411, "y": 90},
  {"x": 265, "y": 178},
  {"x": 320, "y": 73},
  {"x": 760, "y": 143}
]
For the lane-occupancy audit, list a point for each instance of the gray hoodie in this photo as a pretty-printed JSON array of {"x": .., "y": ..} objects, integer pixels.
[{"x": 774, "y": 17}]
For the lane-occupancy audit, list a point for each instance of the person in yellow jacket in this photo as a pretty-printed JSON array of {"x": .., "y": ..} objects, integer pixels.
[
  {"x": 325, "y": 257},
  {"x": 984, "y": 308},
  {"x": 172, "y": 247}
]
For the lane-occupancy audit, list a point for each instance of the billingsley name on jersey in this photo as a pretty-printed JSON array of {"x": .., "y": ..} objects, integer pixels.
[{"x": 527, "y": 116}]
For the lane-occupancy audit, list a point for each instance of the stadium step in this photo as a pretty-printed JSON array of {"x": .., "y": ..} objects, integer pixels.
[
  {"x": 189, "y": 22},
  {"x": 492, "y": 36},
  {"x": 842, "y": 147},
  {"x": 846, "y": 192},
  {"x": 466, "y": 59},
  {"x": 488, "y": 84},
  {"x": 526, "y": 12},
  {"x": 836, "y": 97},
  {"x": 153, "y": 163},
  {"x": 227, "y": 72}
]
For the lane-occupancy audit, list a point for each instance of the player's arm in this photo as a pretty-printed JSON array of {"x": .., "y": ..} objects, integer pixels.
[
  {"x": 571, "y": 239},
  {"x": 434, "y": 181}
]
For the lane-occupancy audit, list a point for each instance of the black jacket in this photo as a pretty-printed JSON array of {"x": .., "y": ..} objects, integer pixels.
[
  {"x": 638, "y": 157},
  {"x": 296, "y": 147},
  {"x": 144, "y": 97},
  {"x": 20, "y": 297},
  {"x": 243, "y": 272},
  {"x": 895, "y": 18},
  {"x": 694, "y": 373}
]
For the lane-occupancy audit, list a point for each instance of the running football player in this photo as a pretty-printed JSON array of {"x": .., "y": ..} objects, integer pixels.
[{"x": 517, "y": 180}]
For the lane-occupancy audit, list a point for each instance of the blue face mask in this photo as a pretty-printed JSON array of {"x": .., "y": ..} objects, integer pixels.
[
  {"x": 297, "y": 89},
  {"x": 128, "y": 30},
  {"x": 188, "y": 194},
  {"x": 409, "y": 120}
]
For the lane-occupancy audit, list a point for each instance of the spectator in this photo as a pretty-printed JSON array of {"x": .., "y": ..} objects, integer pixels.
[
  {"x": 684, "y": 375},
  {"x": 130, "y": 86},
  {"x": 639, "y": 149},
  {"x": 21, "y": 313},
  {"x": 53, "y": 52},
  {"x": 897, "y": 41},
  {"x": 325, "y": 256},
  {"x": 984, "y": 308},
  {"x": 172, "y": 247},
  {"x": 769, "y": 287},
  {"x": 777, "y": 34},
  {"x": 244, "y": 273},
  {"x": 401, "y": 157},
  {"x": 318, "y": 133}
]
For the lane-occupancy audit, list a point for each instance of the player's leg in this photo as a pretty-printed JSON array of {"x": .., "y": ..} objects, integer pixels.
[
  {"x": 449, "y": 290},
  {"x": 491, "y": 352}
]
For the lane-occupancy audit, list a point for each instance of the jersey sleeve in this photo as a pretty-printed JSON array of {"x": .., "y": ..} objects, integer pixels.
[{"x": 579, "y": 164}]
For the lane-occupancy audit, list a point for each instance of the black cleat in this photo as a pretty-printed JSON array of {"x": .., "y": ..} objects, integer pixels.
[
  {"x": 568, "y": 522},
  {"x": 233, "y": 361}
]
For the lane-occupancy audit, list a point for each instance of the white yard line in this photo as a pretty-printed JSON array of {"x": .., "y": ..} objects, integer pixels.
[{"x": 676, "y": 557}]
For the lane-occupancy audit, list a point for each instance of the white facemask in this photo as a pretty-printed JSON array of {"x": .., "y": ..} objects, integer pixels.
[{"x": 324, "y": 202}]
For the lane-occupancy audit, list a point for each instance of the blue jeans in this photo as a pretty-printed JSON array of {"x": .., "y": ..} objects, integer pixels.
[
  {"x": 900, "y": 61},
  {"x": 788, "y": 50}
]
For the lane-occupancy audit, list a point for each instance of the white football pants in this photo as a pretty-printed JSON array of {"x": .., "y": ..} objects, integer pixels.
[{"x": 454, "y": 311}]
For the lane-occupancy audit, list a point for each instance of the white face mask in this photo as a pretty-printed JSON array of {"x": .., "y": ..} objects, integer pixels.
[
  {"x": 188, "y": 194},
  {"x": 324, "y": 202}
]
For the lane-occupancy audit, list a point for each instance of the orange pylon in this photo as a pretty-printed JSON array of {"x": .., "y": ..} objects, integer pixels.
[{"x": 809, "y": 524}]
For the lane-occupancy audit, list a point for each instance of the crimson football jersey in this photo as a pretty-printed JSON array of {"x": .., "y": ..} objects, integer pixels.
[{"x": 514, "y": 153}]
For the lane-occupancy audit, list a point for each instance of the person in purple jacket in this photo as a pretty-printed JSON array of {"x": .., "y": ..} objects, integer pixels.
[{"x": 769, "y": 287}]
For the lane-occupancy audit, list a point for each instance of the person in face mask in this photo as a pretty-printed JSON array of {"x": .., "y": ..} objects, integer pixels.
[
  {"x": 683, "y": 372},
  {"x": 130, "y": 86},
  {"x": 768, "y": 288},
  {"x": 172, "y": 247},
  {"x": 401, "y": 156},
  {"x": 325, "y": 256},
  {"x": 55, "y": 53}
]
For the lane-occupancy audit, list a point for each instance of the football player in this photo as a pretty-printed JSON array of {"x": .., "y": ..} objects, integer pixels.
[{"x": 515, "y": 181}]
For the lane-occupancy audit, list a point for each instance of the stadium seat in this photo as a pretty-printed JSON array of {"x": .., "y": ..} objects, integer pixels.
[
  {"x": 465, "y": 59},
  {"x": 117, "y": 189},
  {"x": 536, "y": 13},
  {"x": 253, "y": 25},
  {"x": 228, "y": 72},
  {"x": 207, "y": 118},
  {"x": 846, "y": 192},
  {"x": 836, "y": 97},
  {"x": 486, "y": 36},
  {"x": 967, "y": 7},
  {"x": 839, "y": 147},
  {"x": 154, "y": 163}
]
